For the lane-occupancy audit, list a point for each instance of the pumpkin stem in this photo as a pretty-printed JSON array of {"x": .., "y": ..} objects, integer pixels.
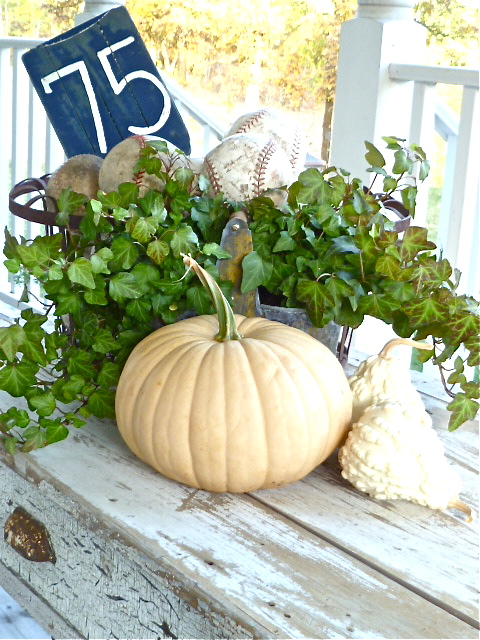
[
  {"x": 226, "y": 318},
  {"x": 385, "y": 352},
  {"x": 464, "y": 508}
]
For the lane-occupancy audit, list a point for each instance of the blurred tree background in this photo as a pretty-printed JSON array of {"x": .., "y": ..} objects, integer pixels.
[{"x": 235, "y": 56}]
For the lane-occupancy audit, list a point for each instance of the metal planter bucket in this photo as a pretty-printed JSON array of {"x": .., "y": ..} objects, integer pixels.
[{"x": 329, "y": 335}]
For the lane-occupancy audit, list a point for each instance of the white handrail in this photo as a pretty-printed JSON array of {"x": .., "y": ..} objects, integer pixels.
[
  {"x": 458, "y": 226},
  {"x": 435, "y": 75}
]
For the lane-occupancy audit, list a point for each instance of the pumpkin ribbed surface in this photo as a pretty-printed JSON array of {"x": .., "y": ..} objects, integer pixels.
[{"x": 237, "y": 415}]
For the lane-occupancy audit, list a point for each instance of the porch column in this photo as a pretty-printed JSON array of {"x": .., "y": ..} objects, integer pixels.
[
  {"x": 94, "y": 8},
  {"x": 368, "y": 105}
]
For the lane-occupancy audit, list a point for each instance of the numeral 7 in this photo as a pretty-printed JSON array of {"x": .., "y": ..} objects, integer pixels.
[{"x": 81, "y": 67}]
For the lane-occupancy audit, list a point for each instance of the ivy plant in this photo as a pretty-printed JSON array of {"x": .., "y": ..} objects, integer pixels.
[
  {"x": 330, "y": 249},
  {"x": 333, "y": 250},
  {"x": 105, "y": 286}
]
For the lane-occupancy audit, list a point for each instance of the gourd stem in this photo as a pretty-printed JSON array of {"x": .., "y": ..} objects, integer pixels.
[
  {"x": 461, "y": 506},
  {"x": 385, "y": 352},
  {"x": 226, "y": 318}
]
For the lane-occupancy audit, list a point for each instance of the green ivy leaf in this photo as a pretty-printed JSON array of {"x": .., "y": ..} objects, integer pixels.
[
  {"x": 12, "y": 418},
  {"x": 72, "y": 388},
  {"x": 402, "y": 164},
  {"x": 80, "y": 363},
  {"x": 255, "y": 271},
  {"x": 425, "y": 311},
  {"x": 373, "y": 156},
  {"x": 13, "y": 265},
  {"x": 463, "y": 408},
  {"x": 17, "y": 378},
  {"x": 409, "y": 199},
  {"x": 96, "y": 298},
  {"x": 102, "y": 404},
  {"x": 105, "y": 342},
  {"x": 415, "y": 240},
  {"x": 11, "y": 245},
  {"x": 183, "y": 241},
  {"x": 34, "y": 438},
  {"x": 317, "y": 298},
  {"x": 124, "y": 285},
  {"x": 388, "y": 266},
  {"x": 55, "y": 431},
  {"x": 125, "y": 253},
  {"x": 109, "y": 375},
  {"x": 11, "y": 338},
  {"x": 143, "y": 229},
  {"x": 389, "y": 184},
  {"x": 158, "y": 250},
  {"x": 198, "y": 299},
  {"x": 68, "y": 303},
  {"x": 214, "y": 249},
  {"x": 55, "y": 272},
  {"x": 314, "y": 189},
  {"x": 146, "y": 275},
  {"x": 43, "y": 403},
  {"x": 140, "y": 309},
  {"x": 32, "y": 255},
  {"x": 284, "y": 243},
  {"x": 81, "y": 272},
  {"x": 377, "y": 305},
  {"x": 339, "y": 289},
  {"x": 100, "y": 260}
]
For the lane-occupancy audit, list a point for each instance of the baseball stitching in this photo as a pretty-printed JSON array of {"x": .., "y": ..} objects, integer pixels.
[
  {"x": 138, "y": 177},
  {"x": 259, "y": 173},
  {"x": 251, "y": 122},
  {"x": 296, "y": 141},
  {"x": 296, "y": 146},
  {"x": 213, "y": 176}
]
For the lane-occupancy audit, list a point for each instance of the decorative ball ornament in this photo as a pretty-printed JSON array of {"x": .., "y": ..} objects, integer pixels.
[
  {"x": 278, "y": 126},
  {"x": 80, "y": 174},
  {"x": 228, "y": 403},
  {"x": 120, "y": 165},
  {"x": 244, "y": 166}
]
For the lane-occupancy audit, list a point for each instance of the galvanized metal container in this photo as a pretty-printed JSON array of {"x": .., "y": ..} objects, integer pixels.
[{"x": 329, "y": 335}]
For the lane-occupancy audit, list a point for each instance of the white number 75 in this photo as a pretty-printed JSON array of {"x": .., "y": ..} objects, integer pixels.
[{"x": 117, "y": 86}]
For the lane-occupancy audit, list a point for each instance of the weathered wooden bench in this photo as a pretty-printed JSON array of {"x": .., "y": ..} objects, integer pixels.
[{"x": 139, "y": 556}]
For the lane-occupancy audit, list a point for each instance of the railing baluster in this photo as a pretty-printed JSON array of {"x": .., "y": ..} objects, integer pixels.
[
  {"x": 422, "y": 132},
  {"x": 461, "y": 245}
]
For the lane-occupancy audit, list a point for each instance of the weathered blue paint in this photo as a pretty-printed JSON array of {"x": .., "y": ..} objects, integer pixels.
[{"x": 99, "y": 85}]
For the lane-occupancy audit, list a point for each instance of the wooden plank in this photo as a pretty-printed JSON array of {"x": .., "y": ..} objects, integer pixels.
[
  {"x": 15, "y": 622},
  {"x": 212, "y": 565},
  {"x": 433, "y": 553}
]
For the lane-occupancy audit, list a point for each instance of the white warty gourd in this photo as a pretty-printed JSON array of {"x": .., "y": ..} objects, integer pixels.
[
  {"x": 392, "y": 451},
  {"x": 382, "y": 377}
]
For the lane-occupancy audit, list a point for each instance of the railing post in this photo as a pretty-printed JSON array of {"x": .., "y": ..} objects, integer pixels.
[
  {"x": 94, "y": 8},
  {"x": 368, "y": 104}
]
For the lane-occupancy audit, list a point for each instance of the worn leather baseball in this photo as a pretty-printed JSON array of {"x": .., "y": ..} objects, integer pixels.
[
  {"x": 120, "y": 161},
  {"x": 244, "y": 166},
  {"x": 280, "y": 128},
  {"x": 80, "y": 174}
]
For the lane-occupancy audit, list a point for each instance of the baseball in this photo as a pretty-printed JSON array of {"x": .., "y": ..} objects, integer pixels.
[
  {"x": 280, "y": 128},
  {"x": 78, "y": 173},
  {"x": 119, "y": 165},
  {"x": 244, "y": 166}
]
